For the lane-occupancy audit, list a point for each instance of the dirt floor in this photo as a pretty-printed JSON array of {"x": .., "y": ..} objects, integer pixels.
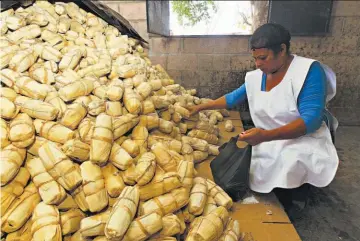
[{"x": 333, "y": 213}]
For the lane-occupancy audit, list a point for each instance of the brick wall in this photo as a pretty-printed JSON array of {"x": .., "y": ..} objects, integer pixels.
[{"x": 218, "y": 65}]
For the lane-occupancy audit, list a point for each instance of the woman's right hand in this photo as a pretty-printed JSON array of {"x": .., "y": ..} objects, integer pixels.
[{"x": 194, "y": 109}]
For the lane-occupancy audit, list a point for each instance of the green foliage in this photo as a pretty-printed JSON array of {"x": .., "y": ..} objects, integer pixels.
[{"x": 191, "y": 12}]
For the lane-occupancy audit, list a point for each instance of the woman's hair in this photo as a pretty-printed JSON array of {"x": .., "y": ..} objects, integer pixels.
[{"x": 270, "y": 36}]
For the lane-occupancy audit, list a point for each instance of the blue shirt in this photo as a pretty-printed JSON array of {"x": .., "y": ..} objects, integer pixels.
[{"x": 311, "y": 99}]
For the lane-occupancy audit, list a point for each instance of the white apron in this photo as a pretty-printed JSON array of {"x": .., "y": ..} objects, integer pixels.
[{"x": 311, "y": 158}]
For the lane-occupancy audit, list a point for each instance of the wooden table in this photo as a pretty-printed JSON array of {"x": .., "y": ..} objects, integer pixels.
[{"x": 261, "y": 216}]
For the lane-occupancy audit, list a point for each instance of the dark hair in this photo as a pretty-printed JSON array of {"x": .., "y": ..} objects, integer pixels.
[{"x": 270, "y": 36}]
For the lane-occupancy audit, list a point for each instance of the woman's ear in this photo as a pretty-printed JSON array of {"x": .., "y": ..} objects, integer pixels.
[{"x": 283, "y": 49}]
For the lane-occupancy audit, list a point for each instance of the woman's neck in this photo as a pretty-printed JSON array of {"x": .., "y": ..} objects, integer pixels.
[{"x": 283, "y": 68}]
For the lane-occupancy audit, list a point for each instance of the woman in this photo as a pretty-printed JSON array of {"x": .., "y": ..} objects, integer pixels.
[{"x": 292, "y": 146}]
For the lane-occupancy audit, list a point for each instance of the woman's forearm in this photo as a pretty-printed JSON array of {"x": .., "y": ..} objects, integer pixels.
[
  {"x": 219, "y": 103},
  {"x": 292, "y": 130}
]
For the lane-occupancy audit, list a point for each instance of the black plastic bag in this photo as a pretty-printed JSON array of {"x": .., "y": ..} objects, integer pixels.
[{"x": 230, "y": 169}]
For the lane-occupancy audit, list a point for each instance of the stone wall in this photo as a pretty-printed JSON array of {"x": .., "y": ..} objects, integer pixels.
[{"x": 217, "y": 65}]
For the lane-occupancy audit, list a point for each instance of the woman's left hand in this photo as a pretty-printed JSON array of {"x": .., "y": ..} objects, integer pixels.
[{"x": 254, "y": 136}]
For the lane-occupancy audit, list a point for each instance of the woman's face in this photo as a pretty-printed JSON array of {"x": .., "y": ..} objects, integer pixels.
[{"x": 267, "y": 61}]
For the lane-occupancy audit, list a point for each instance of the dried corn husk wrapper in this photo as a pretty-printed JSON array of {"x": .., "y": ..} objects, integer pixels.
[
  {"x": 46, "y": 223},
  {"x": 139, "y": 135},
  {"x": 41, "y": 74},
  {"x": 209, "y": 206},
  {"x": 209, "y": 227},
  {"x": 120, "y": 140},
  {"x": 74, "y": 90},
  {"x": 76, "y": 150},
  {"x": 207, "y": 127},
  {"x": 50, "y": 191},
  {"x": 229, "y": 126},
  {"x": 14, "y": 189},
  {"x": 67, "y": 77},
  {"x": 123, "y": 124},
  {"x": 165, "y": 126},
  {"x": 73, "y": 115},
  {"x": 129, "y": 175},
  {"x": 166, "y": 115},
  {"x": 54, "y": 99},
  {"x": 219, "y": 195},
  {"x": 36, "y": 108},
  {"x": 198, "y": 196},
  {"x": 213, "y": 150},
  {"x": 144, "y": 90},
  {"x": 86, "y": 130},
  {"x": 30, "y": 88},
  {"x": 113, "y": 108},
  {"x": 114, "y": 183},
  {"x": 67, "y": 204},
  {"x": 210, "y": 138},
  {"x": 160, "y": 184},
  {"x": 70, "y": 221},
  {"x": 12, "y": 159},
  {"x": 186, "y": 173},
  {"x": 232, "y": 231},
  {"x": 166, "y": 203},
  {"x": 101, "y": 140},
  {"x": 21, "y": 209},
  {"x": 132, "y": 101},
  {"x": 53, "y": 131},
  {"x": 120, "y": 158},
  {"x": 80, "y": 199},
  {"x": 147, "y": 106},
  {"x": 94, "y": 225},
  {"x": 8, "y": 93},
  {"x": 77, "y": 237},
  {"x": 197, "y": 144},
  {"x": 143, "y": 227},
  {"x": 115, "y": 90},
  {"x": 94, "y": 186},
  {"x": 4, "y": 134},
  {"x": 150, "y": 121},
  {"x": 48, "y": 52},
  {"x": 171, "y": 226},
  {"x": 22, "y": 60},
  {"x": 96, "y": 107},
  {"x": 59, "y": 166},
  {"x": 22, "y": 234},
  {"x": 28, "y": 32},
  {"x": 8, "y": 110},
  {"x": 123, "y": 212},
  {"x": 6, "y": 55},
  {"x": 131, "y": 147},
  {"x": 168, "y": 142},
  {"x": 145, "y": 168},
  {"x": 155, "y": 84},
  {"x": 163, "y": 158},
  {"x": 199, "y": 156},
  {"x": 15, "y": 22},
  {"x": 22, "y": 131},
  {"x": 188, "y": 217},
  {"x": 163, "y": 239}
]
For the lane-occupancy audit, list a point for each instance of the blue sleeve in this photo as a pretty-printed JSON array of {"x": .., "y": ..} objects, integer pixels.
[
  {"x": 236, "y": 97},
  {"x": 311, "y": 99}
]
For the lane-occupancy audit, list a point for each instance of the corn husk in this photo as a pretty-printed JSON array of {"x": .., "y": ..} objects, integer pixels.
[
  {"x": 163, "y": 239},
  {"x": 114, "y": 183},
  {"x": 76, "y": 150},
  {"x": 41, "y": 74},
  {"x": 73, "y": 115},
  {"x": 145, "y": 168},
  {"x": 123, "y": 124},
  {"x": 206, "y": 127},
  {"x": 186, "y": 172},
  {"x": 196, "y": 144},
  {"x": 28, "y": 32},
  {"x": 209, "y": 227},
  {"x": 120, "y": 158},
  {"x": 198, "y": 196},
  {"x": 48, "y": 52},
  {"x": 113, "y": 108},
  {"x": 54, "y": 99},
  {"x": 94, "y": 225},
  {"x": 199, "y": 156},
  {"x": 12, "y": 159},
  {"x": 22, "y": 234},
  {"x": 22, "y": 60},
  {"x": 22, "y": 131},
  {"x": 94, "y": 186},
  {"x": 150, "y": 121},
  {"x": 188, "y": 217},
  {"x": 53, "y": 131},
  {"x": 96, "y": 107},
  {"x": 101, "y": 140},
  {"x": 147, "y": 106},
  {"x": 74, "y": 90},
  {"x": 229, "y": 126},
  {"x": 171, "y": 226},
  {"x": 217, "y": 193},
  {"x": 123, "y": 212},
  {"x": 181, "y": 219},
  {"x": 143, "y": 227},
  {"x": 165, "y": 126},
  {"x": 8, "y": 93},
  {"x": 67, "y": 204},
  {"x": 166, "y": 203},
  {"x": 132, "y": 101},
  {"x": 144, "y": 90},
  {"x": 70, "y": 221},
  {"x": 166, "y": 115},
  {"x": 8, "y": 110},
  {"x": 115, "y": 90},
  {"x": 232, "y": 231},
  {"x": 86, "y": 130},
  {"x": 213, "y": 150},
  {"x": 131, "y": 147},
  {"x": 210, "y": 138},
  {"x": 50, "y": 191},
  {"x": 129, "y": 175},
  {"x": 36, "y": 108},
  {"x": 8, "y": 77},
  {"x": 59, "y": 166},
  {"x": 163, "y": 158},
  {"x": 67, "y": 77},
  {"x": 209, "y": 206},
  {"x": 169, "y": 143},
  {"x": 4, "y": 133},
  {"x": 14, "y": 189},
  {"x": 79, "y": 198},
  {"x": 31, "y": 88},
  {"x": 46, "y": 223},
  {"x": 20, "y": 210}
]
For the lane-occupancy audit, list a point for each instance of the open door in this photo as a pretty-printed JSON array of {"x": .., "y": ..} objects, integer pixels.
[{"x": 158, "y": 17}]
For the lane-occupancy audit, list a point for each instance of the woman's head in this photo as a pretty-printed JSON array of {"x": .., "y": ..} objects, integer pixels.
[{"x": 270, "y": 45}]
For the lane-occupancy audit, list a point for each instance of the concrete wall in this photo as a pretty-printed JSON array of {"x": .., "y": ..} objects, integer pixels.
[{"x": 218, "y": 65}]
